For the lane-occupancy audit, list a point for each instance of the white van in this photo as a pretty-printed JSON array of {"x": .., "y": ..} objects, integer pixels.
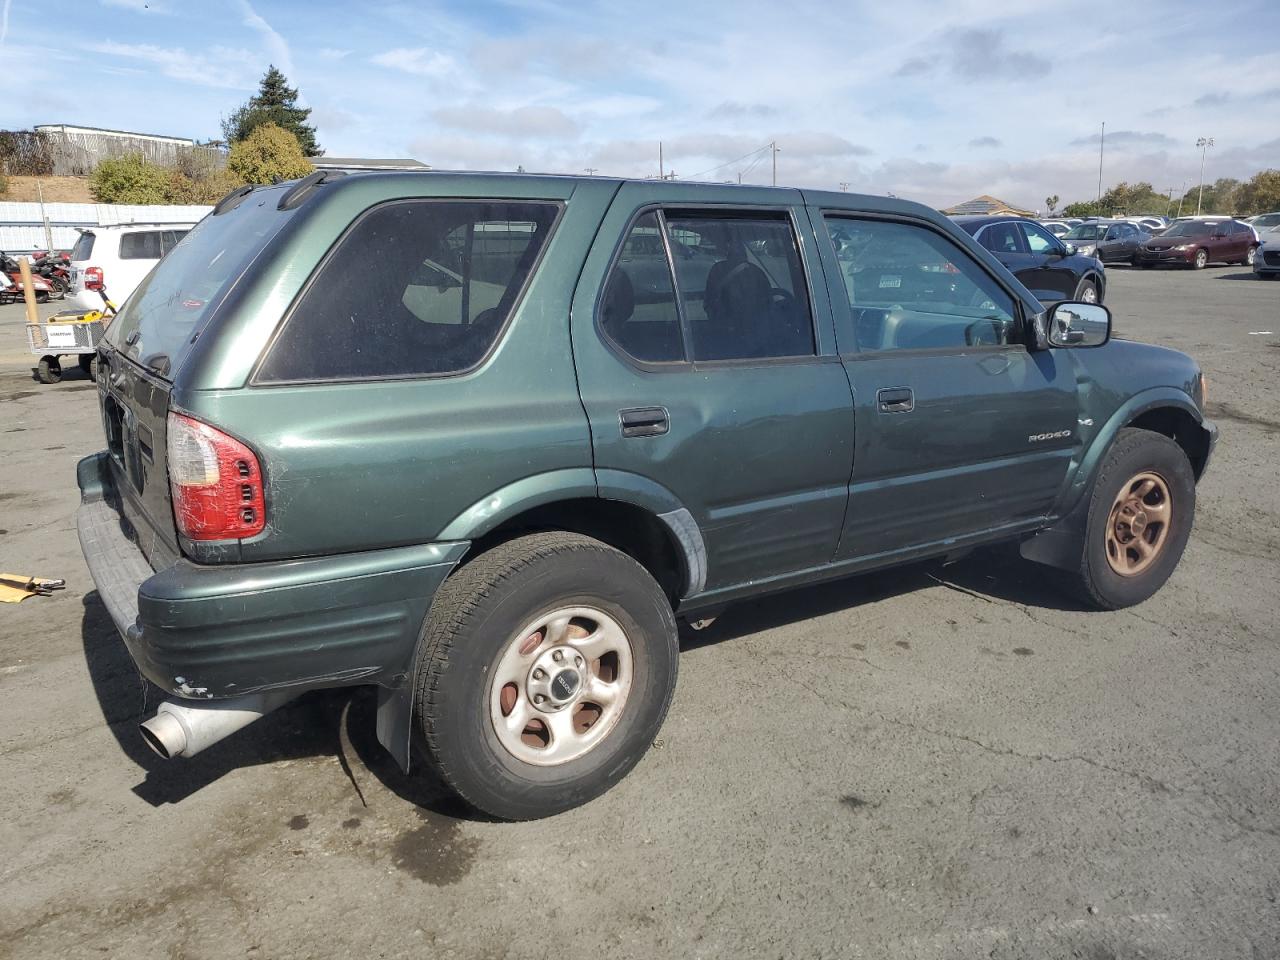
[{"x": 119, "y": 257}]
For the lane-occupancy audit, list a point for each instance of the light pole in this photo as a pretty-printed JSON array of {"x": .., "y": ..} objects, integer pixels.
[
  {"x": 1204, "y": 143},
  {"x": 774, "y": 148},
  {"x": 1182, "y": 193},
  {"x": 844, "y": 186},
  {"x": 1102, "y": 144}
]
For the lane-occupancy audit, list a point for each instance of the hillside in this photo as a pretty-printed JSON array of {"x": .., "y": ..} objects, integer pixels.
[{"x": 56, "y": 189}]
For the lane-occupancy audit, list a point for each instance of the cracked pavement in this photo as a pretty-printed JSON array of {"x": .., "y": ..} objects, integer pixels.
[{"x": 929, "y": 762}]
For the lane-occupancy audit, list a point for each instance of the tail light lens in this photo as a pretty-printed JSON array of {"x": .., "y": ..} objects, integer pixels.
[
  {"x": 216, "y": 482},
  {"x": 93, "y": 278}
]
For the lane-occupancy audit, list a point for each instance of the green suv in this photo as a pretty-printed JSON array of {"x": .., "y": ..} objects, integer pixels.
[{"x": 479, "y": 441}]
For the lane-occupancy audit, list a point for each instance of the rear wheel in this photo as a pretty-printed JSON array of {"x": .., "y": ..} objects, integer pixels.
[
  {"x": 1087, "y": 292},
  {"x": 59, "y": 286},
  {"x": 1201, "y": 261},
  {"x": 89, "y": 364},
  {"x": 1140, "y": 517},
  {"x": 546, "y": 669},
  {"x": 49, "y": 369}
]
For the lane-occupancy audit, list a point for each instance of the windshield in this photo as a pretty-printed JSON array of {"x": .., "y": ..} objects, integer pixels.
[
  {"x": 163, "y": 317},
  {"x": 83, "y": 249},
  {"x": 1086, "y": 231},
  {"x": 1190, "y": 228}
]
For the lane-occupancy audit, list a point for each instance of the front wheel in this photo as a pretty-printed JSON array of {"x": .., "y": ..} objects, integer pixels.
[
  {"x": 1087, "y": 292},
  {"x": 1140, "y": 516},
  {"x": 1250, "y": 257},
  {"x": 1201, "y": 261},
  {"x": 546, "y": 668}
]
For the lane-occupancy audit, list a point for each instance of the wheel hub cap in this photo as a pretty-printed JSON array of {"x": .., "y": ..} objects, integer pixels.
[
  {"x": 1139, "y": 524},
  {"x": 560, "y": 685}
]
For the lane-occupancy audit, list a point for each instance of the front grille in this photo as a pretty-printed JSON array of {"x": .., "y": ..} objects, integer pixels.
[{"x": 1271, "y": 259}]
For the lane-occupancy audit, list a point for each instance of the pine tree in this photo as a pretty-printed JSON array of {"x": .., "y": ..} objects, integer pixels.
[{"x": 275, "y": 102}]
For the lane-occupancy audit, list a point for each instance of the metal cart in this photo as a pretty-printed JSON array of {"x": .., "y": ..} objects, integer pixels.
[{"x": 77, "y": 332}]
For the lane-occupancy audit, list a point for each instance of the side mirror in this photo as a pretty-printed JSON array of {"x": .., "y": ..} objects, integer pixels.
[
  {"x": 1070, "y": 248},
  {"x": 1073, "y": 324}
]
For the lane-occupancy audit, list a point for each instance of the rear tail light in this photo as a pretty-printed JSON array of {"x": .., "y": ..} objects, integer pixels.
[
  {"x": 216, "y": 482},
  {"x": 93, "y": 278}
]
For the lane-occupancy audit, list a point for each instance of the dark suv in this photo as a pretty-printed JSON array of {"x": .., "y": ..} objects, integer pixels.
[
  {"x": 479, "y": 441},
  {"x": 1050, "y": 267}
]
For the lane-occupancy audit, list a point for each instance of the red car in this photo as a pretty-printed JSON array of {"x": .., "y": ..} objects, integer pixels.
[{"x": 1197, "y": 243}]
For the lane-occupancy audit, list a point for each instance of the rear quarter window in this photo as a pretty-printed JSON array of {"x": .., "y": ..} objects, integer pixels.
[{"x": 414, "y": 288}]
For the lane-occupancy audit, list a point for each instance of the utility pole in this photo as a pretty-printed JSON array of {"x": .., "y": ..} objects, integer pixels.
[
  {"x": 1169, "y": 206},
  {"x": 1204, "y": 143},
  {"x": 590, "y": 171},
  {"x": 844, "y": 186},
  {"x": 48, "y": 233},
  {"x": 660, "y": 176},
  {"x": 1102, "y": 144},
  {"x": 773, "y": 149}
]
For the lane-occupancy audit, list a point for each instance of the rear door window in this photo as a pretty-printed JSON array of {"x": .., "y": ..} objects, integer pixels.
[
  {"x": 1002, "y": 238},
  {"x": 140, "y": 245},
  {"x": 414, "y": 288},
  {"x": 742, "y": 285},
  {"x": 638, "y": 311},
  {"x": 169, "y": 239}
]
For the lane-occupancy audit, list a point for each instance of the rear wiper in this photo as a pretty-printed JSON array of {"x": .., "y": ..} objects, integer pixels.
[{"x": 159, "y": 362}]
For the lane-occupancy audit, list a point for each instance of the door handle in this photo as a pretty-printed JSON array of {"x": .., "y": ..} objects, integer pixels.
[
  {"x": 644, "y": 421},
  {"x": 896, "y": 400}
]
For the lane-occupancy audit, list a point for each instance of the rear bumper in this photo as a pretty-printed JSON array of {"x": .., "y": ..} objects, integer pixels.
[{"x": 224, "y": 630}]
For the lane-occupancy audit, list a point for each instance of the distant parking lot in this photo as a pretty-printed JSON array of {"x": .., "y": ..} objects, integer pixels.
[{"x": 928, "y": 762}]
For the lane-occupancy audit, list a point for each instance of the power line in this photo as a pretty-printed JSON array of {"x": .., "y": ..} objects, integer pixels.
[{"x": 729, "y": 163}]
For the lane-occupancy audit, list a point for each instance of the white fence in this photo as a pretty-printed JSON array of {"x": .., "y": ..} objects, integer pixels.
[{"x": 21, "y": 227}]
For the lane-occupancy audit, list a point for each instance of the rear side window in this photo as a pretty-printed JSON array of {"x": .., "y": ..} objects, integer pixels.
[
  {"x": 1001, "y": 238},
  {"x": 83, "y": 249},
  {"x": 742, "y": 286},
  {"x": 414, "y": 288},
  {"x": 169, "y": 239},
  {"x": 140, "y": 245}
]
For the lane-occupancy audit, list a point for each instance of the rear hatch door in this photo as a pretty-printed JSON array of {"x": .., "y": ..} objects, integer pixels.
[{"x": 144, "y": 350}]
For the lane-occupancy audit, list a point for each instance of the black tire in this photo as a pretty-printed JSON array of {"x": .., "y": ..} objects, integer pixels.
[
  {"x": 1201, "y": 260},
  {"x": 1087, "y": 292},
  {"x": 49, "y": 370},
  {"x": 472, "y": 621},
  {"x": 59, "y": 286},
  {"x": 1134, "y": 452},
  {"x": 89, "y": 364},
  {"x": 1249, "y": 257}
]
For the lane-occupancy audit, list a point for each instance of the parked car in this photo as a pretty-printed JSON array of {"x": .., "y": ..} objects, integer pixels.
[
  {"x": 1196, "y": 243},
  {"x": 1263, "y": 222},
  {"x": 1046, "y": 265},
  {"x": 1266, "y": 261},
  {"x": 1111, "y": 241},
  {"x": 328, "y": 472},
  {"x": 117, "y": 257},
  {"x": 1056, "y": 227}
]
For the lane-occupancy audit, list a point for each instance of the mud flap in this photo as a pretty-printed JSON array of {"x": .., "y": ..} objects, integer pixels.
[
  {"x": 395, "y": 721},
  {"x": 1061, "y": 544}
]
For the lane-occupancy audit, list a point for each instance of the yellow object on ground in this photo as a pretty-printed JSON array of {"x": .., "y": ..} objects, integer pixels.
[{"x": 15, "y": 587}]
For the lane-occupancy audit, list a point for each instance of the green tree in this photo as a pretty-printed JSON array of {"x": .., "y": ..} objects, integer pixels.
[
  {"x": 268, "y": 153},
  {"x": 275, "y": 102},
  {"x": 129, "y": 179},
  {"x": 1081, "y": 208},
  {"x": 1261, "y": 194},
  {"x": 1051, "y": 203}
]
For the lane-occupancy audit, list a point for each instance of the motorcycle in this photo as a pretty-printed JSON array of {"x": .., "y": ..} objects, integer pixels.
[
  {"x": 14, "y": 291},
  {"x": 56, "y": 269}
]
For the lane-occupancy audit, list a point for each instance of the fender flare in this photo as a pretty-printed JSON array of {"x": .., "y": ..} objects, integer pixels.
[
  {"x": 1058, "y": 545},
  {"x": 395, "y": 703}
]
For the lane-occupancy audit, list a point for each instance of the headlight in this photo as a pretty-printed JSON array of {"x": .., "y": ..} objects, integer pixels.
[
  {"x": 1087, "y": 250},
  {"x": 1183, "y": 246}
]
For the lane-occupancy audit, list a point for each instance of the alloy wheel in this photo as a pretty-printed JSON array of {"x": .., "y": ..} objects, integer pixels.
[
  {"x": 1139, "y": 523},
  {"x": 560, "y": 685}
]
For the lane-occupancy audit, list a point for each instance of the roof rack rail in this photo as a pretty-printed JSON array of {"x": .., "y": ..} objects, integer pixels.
[
  {"x": 304, "y": 187},
  {"x": 233, "y": 199}
]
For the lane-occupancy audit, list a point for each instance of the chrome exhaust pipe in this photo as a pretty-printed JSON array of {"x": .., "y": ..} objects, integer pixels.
[{"x": 182, "y": 728}]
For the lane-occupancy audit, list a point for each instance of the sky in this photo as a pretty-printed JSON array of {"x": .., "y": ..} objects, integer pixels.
[{"x": 932, "y": 101}]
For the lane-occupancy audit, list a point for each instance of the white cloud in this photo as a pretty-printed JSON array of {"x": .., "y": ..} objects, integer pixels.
[
  {"x": 421, "y": 61},
  {"x": 533, "y": 122},
  {"x": 280, "y": 53},
  {"x": 221, "y": 67}
]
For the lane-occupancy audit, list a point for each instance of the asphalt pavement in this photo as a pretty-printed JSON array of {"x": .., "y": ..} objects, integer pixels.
[{"x": 931, "y": 762}]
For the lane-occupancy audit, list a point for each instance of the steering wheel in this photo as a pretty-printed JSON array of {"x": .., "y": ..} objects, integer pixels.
[{"x": 781, "y": 298}]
